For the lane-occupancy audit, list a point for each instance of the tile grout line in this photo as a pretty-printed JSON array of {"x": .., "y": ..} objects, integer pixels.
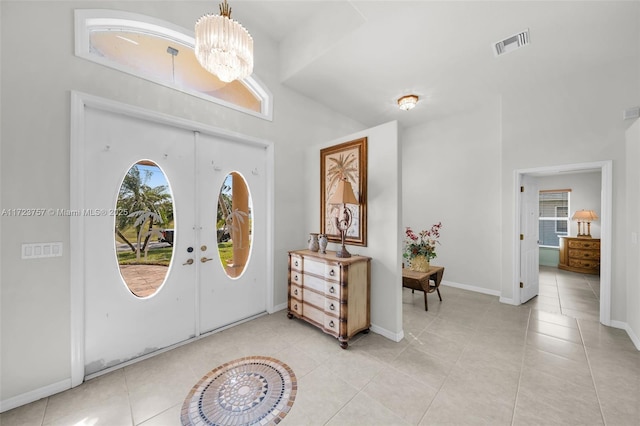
[
  {"x": 462, "y": 352},
  {"x": 524, "y": 354},
  {"x": 44, "y": 412},
  {"x": 593, "y": 380},
  {"x": 126, "y": 383}
]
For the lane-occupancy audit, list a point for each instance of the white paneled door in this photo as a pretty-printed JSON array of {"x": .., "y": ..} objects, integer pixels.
[
  {"x": 529, "y": 251},
  {"x": 198, "y": 294}
]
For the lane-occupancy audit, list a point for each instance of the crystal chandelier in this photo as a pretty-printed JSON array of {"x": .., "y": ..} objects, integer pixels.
[{"x": 223, "y": 46}]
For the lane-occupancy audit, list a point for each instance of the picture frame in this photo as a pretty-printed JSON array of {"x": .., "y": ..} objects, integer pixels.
[{"x": 348, "y": 160}]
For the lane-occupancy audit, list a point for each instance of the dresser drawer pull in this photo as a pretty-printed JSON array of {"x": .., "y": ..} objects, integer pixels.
[
  {"x": 331, "y": 324},
  {"x": 295, "y": 278},
  {"x": 295, "y": 307},
  {"x": 295, "y": 291},
  {"x": 296, "y": 263},
  {"x": 332, "y": 289},
  {"x": 332, "y": 272},
  {"x": 332, "y": 307}
]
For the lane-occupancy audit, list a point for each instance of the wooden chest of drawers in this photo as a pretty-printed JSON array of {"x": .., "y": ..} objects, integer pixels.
[
  {"x": 331, "y": 293},
  {"x": 580, "y": 255}
]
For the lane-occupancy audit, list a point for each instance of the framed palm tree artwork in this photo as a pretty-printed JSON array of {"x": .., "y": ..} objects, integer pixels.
[{"x": 347, "y": 161}]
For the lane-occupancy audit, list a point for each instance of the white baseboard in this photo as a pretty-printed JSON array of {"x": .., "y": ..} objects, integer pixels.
[
  {"x": 626, "y": 327},
  {"x": 508, "y": 301},
  {"x": 396, "y": 337},
  {"x": 34, "y": 395},
  {"x": 279, "y": 307},
  {"x": 471, "y": 288}
]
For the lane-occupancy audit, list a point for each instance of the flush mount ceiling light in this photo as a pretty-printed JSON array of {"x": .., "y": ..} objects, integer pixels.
[
  {"x": 223, "y": 46},
  {"x": 407, "y": 102}
]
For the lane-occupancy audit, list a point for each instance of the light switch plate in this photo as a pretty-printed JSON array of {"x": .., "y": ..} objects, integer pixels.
[{"x": 40, "y": 250}]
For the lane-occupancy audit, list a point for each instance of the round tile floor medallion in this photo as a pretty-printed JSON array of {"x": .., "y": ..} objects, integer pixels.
[{"x": 248, "y": 391}]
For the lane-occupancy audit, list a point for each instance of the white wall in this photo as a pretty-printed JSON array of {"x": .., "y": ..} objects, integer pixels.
[
  {"x": 384, "y": 207},
  {"x": 466, "y": 163},
  {"x": 451, "y": 173},
  {"x": 632, "y": 230},
  {"x": 35, "y": 93},
  {"x": 560, "y": 122}
]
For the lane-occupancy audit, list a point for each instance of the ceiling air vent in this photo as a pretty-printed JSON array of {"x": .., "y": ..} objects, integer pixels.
[{"x": 512, "y": 43}]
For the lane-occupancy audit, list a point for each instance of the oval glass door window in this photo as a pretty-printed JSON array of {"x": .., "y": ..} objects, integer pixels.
[
  {"x": 144, "y": 229},
  {"x": 234, "y": 224}
]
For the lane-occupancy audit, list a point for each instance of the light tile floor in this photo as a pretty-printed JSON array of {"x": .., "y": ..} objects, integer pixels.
[{"x": 469, "y": 360}]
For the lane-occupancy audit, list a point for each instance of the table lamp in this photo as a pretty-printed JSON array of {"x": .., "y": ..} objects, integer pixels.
[
  {"x": 584, "y": 217},
  {"x": 343, "y": 195}
]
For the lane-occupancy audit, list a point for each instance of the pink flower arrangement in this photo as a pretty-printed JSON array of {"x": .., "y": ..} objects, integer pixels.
[{"x": 423, "y": 243}]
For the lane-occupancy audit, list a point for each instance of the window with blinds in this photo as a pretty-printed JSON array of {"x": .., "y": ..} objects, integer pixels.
[{"x": 553, "y": 216}]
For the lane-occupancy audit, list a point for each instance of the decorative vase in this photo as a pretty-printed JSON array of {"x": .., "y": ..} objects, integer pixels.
[
  {"x": 420, "y": 264},
  {"x": 323, "y": 241},
  {"x": 313, "y": 242}
]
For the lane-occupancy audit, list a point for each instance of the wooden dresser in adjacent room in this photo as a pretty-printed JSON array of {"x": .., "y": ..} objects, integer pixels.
[
  {"x": 331, "y": 293},
  {"x": 580, "y": 255}
]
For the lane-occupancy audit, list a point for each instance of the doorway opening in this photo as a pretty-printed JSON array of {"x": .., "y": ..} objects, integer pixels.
[{"x": 572, "y": 284}]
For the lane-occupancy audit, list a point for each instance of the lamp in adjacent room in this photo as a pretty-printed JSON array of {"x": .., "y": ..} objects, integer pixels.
[
  {"x": 223, "y": 46},
  {"x": 407, "y": 102},
  {"x": 584, "y": 217},
  {"x": 343, "y": 195}
]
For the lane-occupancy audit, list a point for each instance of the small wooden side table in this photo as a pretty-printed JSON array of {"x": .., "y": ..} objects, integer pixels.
[{"x": 421, "y": 281}]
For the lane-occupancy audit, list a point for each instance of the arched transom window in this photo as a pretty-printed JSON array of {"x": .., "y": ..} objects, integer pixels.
[{"x": 161, "y": 52}]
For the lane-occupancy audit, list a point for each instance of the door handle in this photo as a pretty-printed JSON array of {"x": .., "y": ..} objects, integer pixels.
[
  {"x": 205, "y": 259},
  {"x": 188, "y": 262}
]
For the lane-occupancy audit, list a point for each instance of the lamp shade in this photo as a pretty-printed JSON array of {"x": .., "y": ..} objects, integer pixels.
[
  {"x": 344, "y": 194},
  {"x": 584, "y": 216}
]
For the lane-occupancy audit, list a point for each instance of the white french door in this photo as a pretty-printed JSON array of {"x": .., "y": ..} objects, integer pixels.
[
  {"x": 197, "y": 295},
  {"x": 223, "y": 299}
]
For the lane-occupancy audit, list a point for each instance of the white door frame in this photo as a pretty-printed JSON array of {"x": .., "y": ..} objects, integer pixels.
[
  {"x": 79, "y": 101},
  {"x": 606, "y": 203}
]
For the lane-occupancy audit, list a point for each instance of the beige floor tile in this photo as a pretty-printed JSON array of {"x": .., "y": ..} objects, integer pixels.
[
  {"x": 91, "y": 395},
  {"x": 415, "y": 322},
  {"x": 551, "y": 308},
  {"x": 556, "y": 346},
  {"x": 593, "y": 316},
  {"x": 547, "y": 300},
  {"x": 169, "y": 417},
  {"x": 301, "y": 363},
  {"x": 574, "y": 371},
  {"x": 557, "y": 331},
  {"x": 26, "y": 415},
  {"x": 320, "y": 396},
  {"x": 554, "y": 318},
  {"x": 555, "y": 401},
  {"x": 363, "y": 410},
  {"x": 472, "y": 357},
  {"x": 380, "y": 347},
  {"x": 548, "y": 290},
  {"x": 160, "y": 392},
  {"x": 426, "y": 368},
  {"x": 112, "y": 411},
  {"x": 355, "y": 367},
  {"x": 489, "y": 385},
  {"x": 452, "y": 330},
  {"x": 455, "y": 408},
  {"x": 406, "y": 397},
  {"x": 437, "y": 346},
  {"x": 468, "y": 360}
]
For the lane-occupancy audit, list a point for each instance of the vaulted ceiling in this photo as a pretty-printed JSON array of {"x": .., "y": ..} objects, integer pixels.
[{"x": 358, "y": 57}]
